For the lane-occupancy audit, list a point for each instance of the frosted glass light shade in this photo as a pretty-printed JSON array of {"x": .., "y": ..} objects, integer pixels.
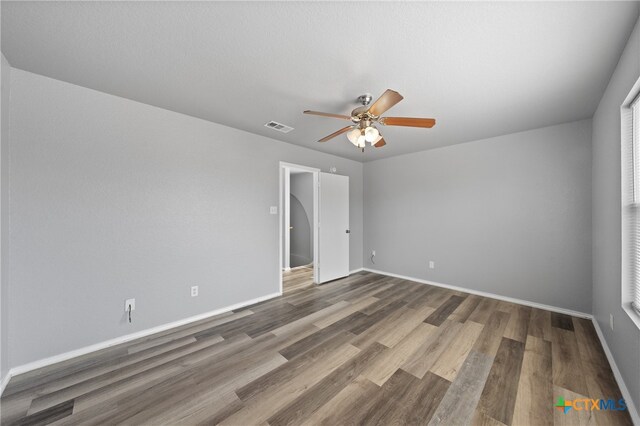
[
  {"x": 353, "y": 136},
  {"x": 371, "y": 134}
]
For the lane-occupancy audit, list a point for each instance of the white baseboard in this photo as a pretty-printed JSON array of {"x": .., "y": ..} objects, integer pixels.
[
  {"x": 126, "y": 338},
  {"x": 486, "y": 294},
  {"x": 5, "y": 381},
  {"x": 633, "y": 411},
  {"x": 308, "y": 265},
  {"x": 355, "y": 271}
]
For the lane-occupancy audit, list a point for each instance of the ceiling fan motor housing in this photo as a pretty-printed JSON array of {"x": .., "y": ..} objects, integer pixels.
[{"x": 365, "y": 99}]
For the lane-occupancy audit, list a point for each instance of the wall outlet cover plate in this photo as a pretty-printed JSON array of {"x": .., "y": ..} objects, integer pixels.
[{"x": 128, "y": 302}]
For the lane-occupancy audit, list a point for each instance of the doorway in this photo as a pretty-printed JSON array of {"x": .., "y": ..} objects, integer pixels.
[
  {"x": 315, "y": 230},
  {"x": 298, "y": 224}
]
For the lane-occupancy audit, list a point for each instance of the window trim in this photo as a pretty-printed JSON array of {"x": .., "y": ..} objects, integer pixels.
[{"x": 626, "y": 173}]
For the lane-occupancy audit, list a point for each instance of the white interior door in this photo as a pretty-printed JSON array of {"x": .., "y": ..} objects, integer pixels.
[{"x": 333, "y": 232}]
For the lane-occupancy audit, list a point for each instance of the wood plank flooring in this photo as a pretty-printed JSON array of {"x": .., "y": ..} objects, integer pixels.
[
  {"x": 297, "y": 279},
  {"x": 367, "y": 349}
]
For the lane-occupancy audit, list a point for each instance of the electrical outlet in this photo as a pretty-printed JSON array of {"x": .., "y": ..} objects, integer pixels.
[
  {"x": 611, "y": 321},
  {"x": 432, "y": 264},
  {"x": 129, "y": 302},
  {"x": 273, "y": 210},
  {"x": 194, "y": 291}
]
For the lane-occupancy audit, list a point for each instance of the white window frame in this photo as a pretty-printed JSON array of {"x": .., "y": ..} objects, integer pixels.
[{"x": 630, "y": 199}]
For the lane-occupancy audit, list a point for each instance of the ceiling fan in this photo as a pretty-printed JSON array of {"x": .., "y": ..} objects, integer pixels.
[{"x": 363, "y": 130}]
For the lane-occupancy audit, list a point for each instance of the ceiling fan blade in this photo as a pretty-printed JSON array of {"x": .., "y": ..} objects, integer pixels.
[
  {"x": 380, "y": 143},
  {"x": 388, "y": 99},
  {"x": 334, "y": 134},
  {"x": 408, "y": 122},
  {"x": 328, "y": 114}
]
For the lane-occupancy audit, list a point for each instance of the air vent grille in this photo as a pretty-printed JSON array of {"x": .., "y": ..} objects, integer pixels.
[{"x": 279, "y": 127}]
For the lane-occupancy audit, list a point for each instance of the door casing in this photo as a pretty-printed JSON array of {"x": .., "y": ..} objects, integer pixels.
[{"x": 283, "y": 234}]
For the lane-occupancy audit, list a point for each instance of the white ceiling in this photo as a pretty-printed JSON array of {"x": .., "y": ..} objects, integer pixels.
[{"x": 481, "y": 69}]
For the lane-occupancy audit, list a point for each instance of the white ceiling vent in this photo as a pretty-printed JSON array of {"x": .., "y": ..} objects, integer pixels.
[{"x": 278, "y": 126}]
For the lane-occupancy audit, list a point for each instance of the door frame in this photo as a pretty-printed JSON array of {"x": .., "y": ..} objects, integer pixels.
[{"x": 283, "y": 169}]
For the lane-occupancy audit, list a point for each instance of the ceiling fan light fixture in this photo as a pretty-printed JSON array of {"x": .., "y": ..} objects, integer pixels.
[
  {"x": 371, "y": 134},
  {"x": 362, "y": 130}
]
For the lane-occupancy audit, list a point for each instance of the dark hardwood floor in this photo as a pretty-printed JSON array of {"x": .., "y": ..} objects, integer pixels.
[{"x": 367, "y": 349}]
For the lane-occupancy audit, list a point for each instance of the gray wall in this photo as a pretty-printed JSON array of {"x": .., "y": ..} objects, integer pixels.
[
  {"x": 5, "y": 71},
  {"x": 509, "y": 215},
  {"x": 301, "y": 219},
  {"x": 624, "y": 342},
  {"x": 114, "y": 199}
]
